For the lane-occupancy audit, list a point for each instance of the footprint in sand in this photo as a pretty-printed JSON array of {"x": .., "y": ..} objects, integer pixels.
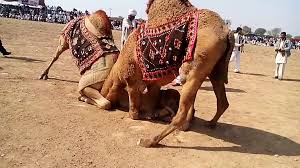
[
  {"x": 137, "y": 128},
  {"x": 118, "y": 134}
]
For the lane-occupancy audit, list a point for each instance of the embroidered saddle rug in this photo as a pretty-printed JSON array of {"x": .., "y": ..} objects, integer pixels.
[
  {"x": 86, "y": 48},
  {"x": 162, "y": 50}
]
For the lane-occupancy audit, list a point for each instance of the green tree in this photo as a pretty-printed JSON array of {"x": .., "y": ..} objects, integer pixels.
[
  {"x": 269, "y": 33},
  {"x": 247, "y": 30},
  {"x": 297, "y": 37},
  {"x": 289, "y": 36},
  {"x": 260, "y": 31},
  {"x": 275, "y": 32}
]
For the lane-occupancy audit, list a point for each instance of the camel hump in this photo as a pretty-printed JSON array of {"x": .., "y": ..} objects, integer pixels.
[
  {"x": 210, "y": 19},
  {"x": 101, "y": 22}
]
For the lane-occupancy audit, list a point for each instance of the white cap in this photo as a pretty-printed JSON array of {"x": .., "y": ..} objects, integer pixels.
[{"x": 132, "y": 12}]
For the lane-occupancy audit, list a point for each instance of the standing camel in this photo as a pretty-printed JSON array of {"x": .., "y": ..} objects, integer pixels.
[{"x": 205, "y": 53}]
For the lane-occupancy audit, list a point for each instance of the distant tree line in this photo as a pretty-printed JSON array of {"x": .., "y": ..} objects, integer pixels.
[{"x": 262, "y": 31}]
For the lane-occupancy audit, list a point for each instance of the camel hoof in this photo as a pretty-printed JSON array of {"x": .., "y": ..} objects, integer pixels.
[
  {"x": 146, "y": 143},
  {"x": 103, "y": 104},
  {"x": 44, "y": 77},
  {"x": 211, "y": 124},
  {"x": 106, "y": 106},
  {"x": 184, "y": 127},
  {"x": 134, "y": 115}
]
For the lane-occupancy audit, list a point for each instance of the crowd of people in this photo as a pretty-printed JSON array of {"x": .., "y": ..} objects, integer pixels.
[
  {"x": 44, "y": 14},
  {"x": 267, "y": 41},
  {"x": 3, "y": 51},
  {"x": 48, "y": 14},
  {"x": 116, "y": 24}
]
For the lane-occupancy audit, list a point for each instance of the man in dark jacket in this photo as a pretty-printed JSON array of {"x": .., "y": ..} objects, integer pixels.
[{"x": 3, "y": 50}]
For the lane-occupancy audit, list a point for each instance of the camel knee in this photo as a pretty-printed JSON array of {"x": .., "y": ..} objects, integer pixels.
[
  {"x": 81, "y": 92},
  {"x": 59, "y": 50},
  {"x": 63, "y": 46},
  {"x": 179, "y": 120},
  {"x": 85, "y": 93},
  {"x": 223, "y": 104}
]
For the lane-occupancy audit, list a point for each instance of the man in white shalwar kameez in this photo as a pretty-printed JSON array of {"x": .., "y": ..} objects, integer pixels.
[
  {"x": 128, "y": 25},
  {"x": 236, "y": 53},
  {"x": 283, "y": 49}
]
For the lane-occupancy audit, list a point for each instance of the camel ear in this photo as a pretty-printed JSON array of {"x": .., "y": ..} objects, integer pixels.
[
  {"x": 147, "y": 10},
  {"x": 150, "y": 2}
]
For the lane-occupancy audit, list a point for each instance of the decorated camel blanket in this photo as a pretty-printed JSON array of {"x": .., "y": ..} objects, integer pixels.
[
  {"x": 162, "y": 50},
  {"x": 86, "y": 48}
]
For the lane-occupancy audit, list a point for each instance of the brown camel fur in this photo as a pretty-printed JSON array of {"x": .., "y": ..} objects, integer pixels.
[{"x": 214, "y": 46}]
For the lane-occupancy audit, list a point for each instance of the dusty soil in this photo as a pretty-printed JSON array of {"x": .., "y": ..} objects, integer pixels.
[{"x": 43, "y": 125}]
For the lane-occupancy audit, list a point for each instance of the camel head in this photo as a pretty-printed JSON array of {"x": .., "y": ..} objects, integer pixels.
[
  {"x": 156, "y": 3},
  {"x": 101, "y": 22},
  {"x": 169, "y": 104}
]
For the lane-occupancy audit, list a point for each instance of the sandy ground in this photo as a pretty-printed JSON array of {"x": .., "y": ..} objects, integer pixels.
[{"x": 43, "y": 125}]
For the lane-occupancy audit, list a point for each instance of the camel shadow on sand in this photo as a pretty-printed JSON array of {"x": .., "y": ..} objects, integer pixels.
[
  {"x": 63, "y": 80},
  {"x": 252, "y": 74},
  {"x": 292, "y": 80},
  {"x": 209, "y": 88},
  {"x": 26, "y": 59},
  {"x": 247, "y": 140}
]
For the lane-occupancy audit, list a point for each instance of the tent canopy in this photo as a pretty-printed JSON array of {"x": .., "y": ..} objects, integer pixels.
[
  {"x": 7, "y": 2},
  {"x": 34, "y": 3}
]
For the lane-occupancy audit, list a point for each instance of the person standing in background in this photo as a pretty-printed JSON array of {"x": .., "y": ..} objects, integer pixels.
[
  {"x": 283, "y": 51},
  {"x": 4, "y": 52},
  {"x": 236, "y": 53},
  {"x": 128, "y": 25}
]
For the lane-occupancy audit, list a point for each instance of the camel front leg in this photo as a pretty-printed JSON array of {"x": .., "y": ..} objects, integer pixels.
[
  {"x": 63, "y": 46},
  {"x": 134, "y": 102},
  {"x": 189, "y": 118},
  {"x": 44, "y": 75},
  {"x": 187, "y": 98}
]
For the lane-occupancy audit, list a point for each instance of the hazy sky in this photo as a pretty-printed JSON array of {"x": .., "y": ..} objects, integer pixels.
[{"x": 254, "y": 13}]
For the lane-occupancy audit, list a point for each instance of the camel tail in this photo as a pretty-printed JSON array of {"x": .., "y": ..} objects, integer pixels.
[
  {"x": 227, "y": 54},
  {"x": 220, "y": 71}
]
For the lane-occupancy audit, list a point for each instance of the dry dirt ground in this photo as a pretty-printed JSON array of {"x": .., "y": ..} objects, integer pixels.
[{"x": 43, "y": 125}]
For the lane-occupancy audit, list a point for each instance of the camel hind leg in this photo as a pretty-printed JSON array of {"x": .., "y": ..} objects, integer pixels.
[
  {"x": 218, "y": 84},
  {"x": 63, "y": 46},
  {"x": 218, "y": 78},
  {"x": 222, "y": 102}
]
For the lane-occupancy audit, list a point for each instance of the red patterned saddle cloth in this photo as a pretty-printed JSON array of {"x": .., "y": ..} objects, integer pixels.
[
  {"x": 162, "y": 50},
  {"x": 86, "y": 48}
]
